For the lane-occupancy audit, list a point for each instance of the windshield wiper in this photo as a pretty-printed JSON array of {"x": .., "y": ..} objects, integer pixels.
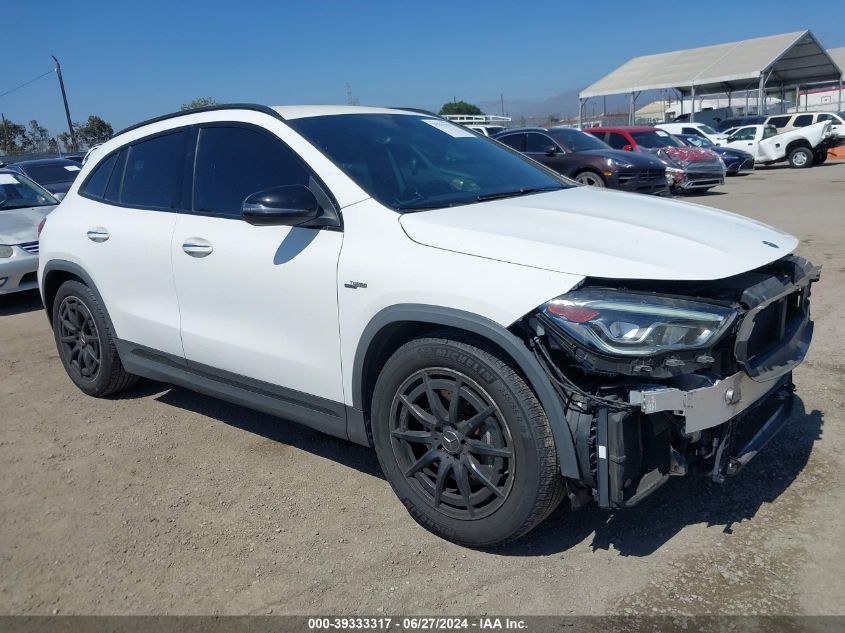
[{"x": 515, "y": 193}]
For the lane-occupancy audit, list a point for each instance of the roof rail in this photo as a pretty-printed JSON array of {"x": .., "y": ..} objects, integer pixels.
[{"x": 223, "y": 106}]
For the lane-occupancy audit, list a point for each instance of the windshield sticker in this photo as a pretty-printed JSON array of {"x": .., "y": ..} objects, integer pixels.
[
  {"x": 450, "y": 128},
  {"x": 8, "y": 179},
  {"x": 72, "y": 168}
]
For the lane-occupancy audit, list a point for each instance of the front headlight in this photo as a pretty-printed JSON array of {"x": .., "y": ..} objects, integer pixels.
[
  {"x": 619, "y": 164},
  {"x": 5, "y": 251},
  {"x": 629, "y": 324}
]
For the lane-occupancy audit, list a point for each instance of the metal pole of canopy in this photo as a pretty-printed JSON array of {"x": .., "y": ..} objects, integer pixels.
[
  {"x": 761, "y": 95},
  {"x": 692, "y": 105},
  {"x": 580, "y": 113},
  {"x": 839, "y": 108}
]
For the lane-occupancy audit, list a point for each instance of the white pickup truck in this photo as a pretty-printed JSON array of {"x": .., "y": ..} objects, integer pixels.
[{"x": 801, "y": 147}]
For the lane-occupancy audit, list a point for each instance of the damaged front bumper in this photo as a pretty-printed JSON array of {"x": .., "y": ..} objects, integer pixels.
[{"x": 710, "y": 420}]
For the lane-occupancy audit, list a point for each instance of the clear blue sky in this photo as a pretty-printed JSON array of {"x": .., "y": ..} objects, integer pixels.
[{"x": 127, "y": 61}]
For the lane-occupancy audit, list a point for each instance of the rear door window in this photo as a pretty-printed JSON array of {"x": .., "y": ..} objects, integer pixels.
[
  {"x": 803, "y": 120},
  {"x": 152, "y": 177},
  {"x": 779, "y": 121},
  {"x": 744, "y": 134}
]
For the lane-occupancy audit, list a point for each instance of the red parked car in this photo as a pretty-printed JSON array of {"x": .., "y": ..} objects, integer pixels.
[{"x": 690, "y": 168}]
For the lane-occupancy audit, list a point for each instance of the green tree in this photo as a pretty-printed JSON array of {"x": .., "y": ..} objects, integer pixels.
[
  {"x": 460, "y": 107},
  {"x": 199, "y": 102},
  {"x": 95, "y": 131},
  {"x": 12, "y": 137},
  {"x": 36, "y": 137},
  {"x": 65, "y": 140}
]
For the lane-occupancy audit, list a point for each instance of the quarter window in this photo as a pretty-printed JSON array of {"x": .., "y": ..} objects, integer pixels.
[
  {"x": 153, "y": 173},
  {"x": 234, "y": 162},
  {"x": 95, "y": 187}
]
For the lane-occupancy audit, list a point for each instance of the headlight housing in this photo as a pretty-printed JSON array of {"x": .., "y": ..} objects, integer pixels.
[
  {"x": 5, "y": 251},
  {"x": 620, "y": 164},
  {"x": 629, "y": 324}
]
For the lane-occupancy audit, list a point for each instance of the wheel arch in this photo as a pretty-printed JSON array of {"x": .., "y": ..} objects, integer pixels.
[
  {"x": 392, "y": 327},
  {"x": 799, "y": 142},
  {"x": 58, "y": 271}
]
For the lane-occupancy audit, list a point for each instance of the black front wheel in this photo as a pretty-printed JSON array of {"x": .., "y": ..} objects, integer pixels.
[
  {"x": 464, "y": 442},
  {"x": 85, "y": 342}
]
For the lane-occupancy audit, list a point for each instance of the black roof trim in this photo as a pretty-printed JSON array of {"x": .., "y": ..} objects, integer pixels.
[{"x": 223, "y": 106}]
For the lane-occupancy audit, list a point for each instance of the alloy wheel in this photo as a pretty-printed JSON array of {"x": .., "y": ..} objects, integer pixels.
[
  {"x": 79, "y": 338},
  {"x": 590, "y": 179},
  {"x": 452, "y": 443}
]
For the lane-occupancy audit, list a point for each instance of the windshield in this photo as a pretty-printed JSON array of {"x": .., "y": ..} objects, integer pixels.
[
  {"x": 707, "y": 129},
  {"x": 408, "y": 162},
  {"x": 52, "y": 173},
  {"x": 698, "y": 141},
  {"x": 655, "y": 139},
  {"x": 577, "y": 141},
  {"x": 18, "y": 192}
]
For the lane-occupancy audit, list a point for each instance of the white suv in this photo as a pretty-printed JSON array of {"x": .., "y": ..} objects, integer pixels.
[{"x": 502, "y": 337}]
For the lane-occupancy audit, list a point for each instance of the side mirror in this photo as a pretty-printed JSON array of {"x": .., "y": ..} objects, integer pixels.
[
  {"x": 291, "y": 205},
  {"x": 551, "y": 150},
  {"x": 59, "y": 196},
  {"x": 627, "y": 148}
]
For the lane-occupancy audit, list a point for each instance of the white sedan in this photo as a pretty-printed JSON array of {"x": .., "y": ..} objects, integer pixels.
[{"x": 23, "y": 205}]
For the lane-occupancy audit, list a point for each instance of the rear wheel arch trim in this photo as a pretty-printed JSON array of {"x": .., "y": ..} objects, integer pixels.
[
  {"x": 61, "y": 265},
  {"x": 488, "y": 330}
]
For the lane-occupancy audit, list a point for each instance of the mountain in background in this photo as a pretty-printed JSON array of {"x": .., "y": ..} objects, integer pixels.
[{"x": 561, "y": 106}]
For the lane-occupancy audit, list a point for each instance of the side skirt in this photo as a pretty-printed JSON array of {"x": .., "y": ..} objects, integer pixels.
[{"x": 317, "y": 413}]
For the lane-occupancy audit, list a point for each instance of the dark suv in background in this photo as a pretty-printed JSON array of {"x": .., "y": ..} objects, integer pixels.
[{"x": 588, "y": 160}]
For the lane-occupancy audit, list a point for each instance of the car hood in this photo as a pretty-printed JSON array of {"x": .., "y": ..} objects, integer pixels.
[
  {"x": 643, "y": 161},
  {"x": 601, "y": 233},
  {"x": 730, "y": 152},
  {"x": 21, "y": 225}
]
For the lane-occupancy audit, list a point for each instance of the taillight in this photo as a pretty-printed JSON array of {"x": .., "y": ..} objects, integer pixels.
[{"x": 41, "y": 226}]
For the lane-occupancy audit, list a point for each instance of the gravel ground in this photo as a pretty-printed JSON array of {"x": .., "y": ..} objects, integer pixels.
[{"x": 161, "y": 501}]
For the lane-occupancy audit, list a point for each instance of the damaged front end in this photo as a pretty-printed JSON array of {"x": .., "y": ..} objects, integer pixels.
[{"x": 669, "y": 378}]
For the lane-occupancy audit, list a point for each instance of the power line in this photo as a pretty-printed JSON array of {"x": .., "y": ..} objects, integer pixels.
[{"x": 8, "y": 92}]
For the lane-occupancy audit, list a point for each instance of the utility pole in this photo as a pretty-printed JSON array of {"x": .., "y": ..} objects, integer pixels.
[
  {"x": 64, "y": 98},
  {"x": 6, "y": 143},
  {"x": 502, "y": 97}
]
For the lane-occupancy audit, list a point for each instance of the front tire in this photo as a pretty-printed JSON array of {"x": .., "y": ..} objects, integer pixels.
[
  {"x": 801, "y": 158},
  {"x": 820, "y": 158},
  {"x": 86, "y": 343},
  {"x": 591, "y": 179},
  {"x": 464, "y": 442}
]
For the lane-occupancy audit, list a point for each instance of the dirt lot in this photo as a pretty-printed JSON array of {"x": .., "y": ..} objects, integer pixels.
[{"x": 163, "y": 501}]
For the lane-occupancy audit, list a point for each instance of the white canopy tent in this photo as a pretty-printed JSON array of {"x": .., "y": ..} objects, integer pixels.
[{"x": 790, "y": 60}]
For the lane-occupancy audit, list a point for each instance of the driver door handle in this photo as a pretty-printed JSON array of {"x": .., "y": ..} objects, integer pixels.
[{"x": 197, "y": 247}]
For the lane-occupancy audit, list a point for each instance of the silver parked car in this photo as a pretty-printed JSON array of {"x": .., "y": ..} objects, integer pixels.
[{"x": 23, "y": 205}]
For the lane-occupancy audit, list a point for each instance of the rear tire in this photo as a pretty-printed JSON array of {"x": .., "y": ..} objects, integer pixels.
[
  {"x": 480, "y": 471},
  {"x": 86, "y": 343},
  {"x": 801, "y": 158},
  {"x": 591, "y": 179}
]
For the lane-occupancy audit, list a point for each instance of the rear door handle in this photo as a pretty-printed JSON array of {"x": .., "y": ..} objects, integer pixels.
[
  {"x": 197, "y": 247},
  {"x": 98, "y": 234}
]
